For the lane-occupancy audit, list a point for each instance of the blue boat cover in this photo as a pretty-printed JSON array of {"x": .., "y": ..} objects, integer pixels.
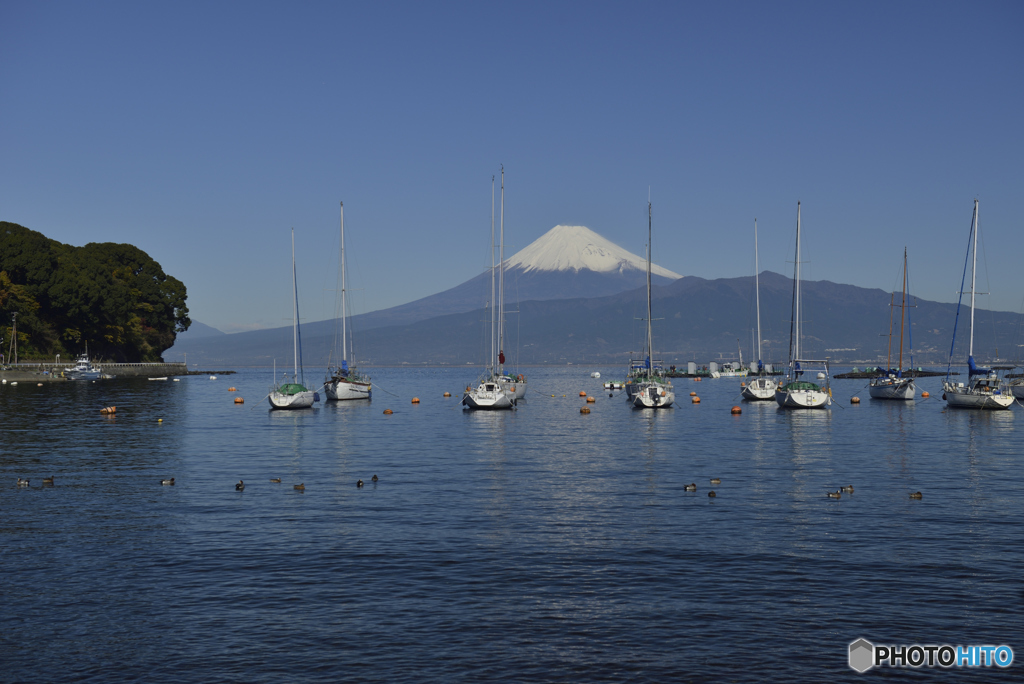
[{"x": 973, "y": 368}]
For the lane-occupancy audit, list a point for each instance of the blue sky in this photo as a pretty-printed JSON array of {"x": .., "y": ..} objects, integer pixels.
[{"x": 202, "y": 132}]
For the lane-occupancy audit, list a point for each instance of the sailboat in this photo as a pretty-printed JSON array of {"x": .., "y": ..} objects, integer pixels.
[
  {"x": 293, "y": 395},
  {"x": 761, "y": 388},
  {"x": 891, "y": 384},
  {"x": 343, "y": 383},
  {"x": 797, "y": 393},
  {"x": 494, "y": 392},
  {"x": 983, "y": 389},
  {"x": 649, "y": 390}
]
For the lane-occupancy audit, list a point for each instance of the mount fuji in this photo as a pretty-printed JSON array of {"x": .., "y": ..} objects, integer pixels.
[{"x": 567, "y": 262}]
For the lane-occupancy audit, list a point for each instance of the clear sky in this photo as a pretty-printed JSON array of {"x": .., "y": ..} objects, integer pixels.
[{"x": 203, "y": 131}]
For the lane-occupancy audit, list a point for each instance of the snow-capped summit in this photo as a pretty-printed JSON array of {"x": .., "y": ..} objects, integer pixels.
[{"x": 577, "y": 248}]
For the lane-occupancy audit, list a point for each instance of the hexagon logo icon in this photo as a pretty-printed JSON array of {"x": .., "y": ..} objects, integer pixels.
[{"x": 862, "y": 655}]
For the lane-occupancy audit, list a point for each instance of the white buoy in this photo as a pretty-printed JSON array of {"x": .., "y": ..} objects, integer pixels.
[{"x": 213, "y": 377}]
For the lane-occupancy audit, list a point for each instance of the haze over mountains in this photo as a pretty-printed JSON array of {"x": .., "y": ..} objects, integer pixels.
[{"x": 576, "y": 297}]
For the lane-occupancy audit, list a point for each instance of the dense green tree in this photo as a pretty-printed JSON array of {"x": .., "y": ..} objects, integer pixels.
[{"x": 114, "y": 297}]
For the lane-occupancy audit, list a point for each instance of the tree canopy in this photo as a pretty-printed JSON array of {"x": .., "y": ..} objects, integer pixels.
[{"x": 114, "y": 297}]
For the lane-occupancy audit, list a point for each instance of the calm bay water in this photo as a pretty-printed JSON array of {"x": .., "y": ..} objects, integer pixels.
[{"x": 539, "y": 544}]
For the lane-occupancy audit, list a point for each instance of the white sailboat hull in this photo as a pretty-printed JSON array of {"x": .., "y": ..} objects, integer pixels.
[
  {"x": 729, "y": 374},
  {"x": 653, "y": 395},
  {"x": 893, "y": 388},
  {"x": 345, "y": 390},
  {"x": 299, "y": 400},
  {"x": 958, "y": 396},
  {"x": 1017, "y": 389},
  {"x": 801, "y": 399},
  {"x": 760, "y": 389},
  {"x": 489, "y": 396}
]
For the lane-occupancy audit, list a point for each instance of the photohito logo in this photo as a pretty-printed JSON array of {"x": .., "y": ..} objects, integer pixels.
[{"x": 864, "y": 655}]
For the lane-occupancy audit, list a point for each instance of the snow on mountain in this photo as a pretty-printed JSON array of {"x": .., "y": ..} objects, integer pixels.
[{"x": 577, "y": 248}]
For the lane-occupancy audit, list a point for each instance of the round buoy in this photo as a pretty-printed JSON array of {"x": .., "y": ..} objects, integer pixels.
[
  {"x": 388, "y": 412},
  {"x": 109, "y": 409},
  {"x": 232, "y": 389},
  {"x": 712, "y": 494},
  {"x": 583, "y": 394},
  {"x": 693, "y": 394},
  {"x": 239, "y": 400},
  {"x": 696, "y": 400},
  {"x": 743, "y": 384},
  {"x": 159, "y": 420},
  {"x": 854, "y": 400},
  {"x": 415, "y": 400},
  {"x": 584, "y": 409},
  {"x": 736, "y": 410},
  {"x": 591, "y": 400},
  {"x": 925, "y": 395},
  {"x": 696, "y": 379},
  {"x": 611, "y": 396},
  {"x": 447, "y": 394}
]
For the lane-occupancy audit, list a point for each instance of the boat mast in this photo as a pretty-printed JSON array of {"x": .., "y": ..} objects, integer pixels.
[
  {"x": 974, "y": 268},
  {"x": 796, "y": 290},
  {"x": 888, "y": 353},
  {"x": 650, "y": 338},
  {"x": 344, "y": 308},
  {"x": 501, "y": 277},
  {"x": 903, "y": 309},
  {"x": 295, "y": 311},
  {"x": 757, "y": 291},
  {"x": 494, "y": 320}
]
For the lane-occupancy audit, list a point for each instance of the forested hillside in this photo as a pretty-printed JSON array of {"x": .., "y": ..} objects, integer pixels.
[{"x": 112, "y": 296}]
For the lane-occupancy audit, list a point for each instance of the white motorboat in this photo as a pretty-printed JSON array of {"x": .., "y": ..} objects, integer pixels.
[
  {"x": 614, "y": 385},
  {"x": 983, "y": 389},
  {"x": 761, "y": 388},
  {"x": 796, "y": 393},
  {"x": 83, "y": 368},
  {"x": 649, "y": 388},
  {"x": 892, "y": 384},
  {"x": 293, "y": 395},
  {"x": 343, "y": 383},
  {"x": 595, "y": 374}
]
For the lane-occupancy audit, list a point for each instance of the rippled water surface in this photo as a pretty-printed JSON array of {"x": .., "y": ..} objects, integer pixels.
[{"x": 534, "y": 545}]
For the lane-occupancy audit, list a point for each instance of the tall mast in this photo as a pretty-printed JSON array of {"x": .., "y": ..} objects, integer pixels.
[
  {"x": 344, "y": 296},
  {"x": 650, "y": 339},
  {"x": 757, "y": 290},
  {"x": 888, "y": 353},
  {"x": 295, "y": 311},
  {"x": 796, "y": 291},
  {"x": 974, "y": 268},
  {"x": 501, "y": 276},
  {"x": 903, "y": 307},
  {"x": 494, "y": 319}
]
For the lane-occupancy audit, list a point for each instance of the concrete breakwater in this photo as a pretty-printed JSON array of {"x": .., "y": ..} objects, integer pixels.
[{"x": 51, "y": 372}]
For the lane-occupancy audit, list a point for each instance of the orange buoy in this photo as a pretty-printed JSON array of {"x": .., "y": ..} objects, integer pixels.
[
  {"x": 239, "y": 400},
  {"x": 695, "y": 400},
  {"x": 743, "y": 384},
  {"x": 591, "y": 400},
  {"x": 583, "y": 394},
  {"x": 697, "y": 379},
  {"x": 415, "y": 400},
  {"x": 854, "y": 400},
  {"x": 693, "y": 394},
  {"x": 232, "y": 389},
  {"x": 585, "y": 409},
  {"x": 925, "y": 395},
  {"x": 447, "y": 394},
  {"x": 736, "y": 410},
  {"x": 388, "y": 412},
  {"x": 109, "y": 409}
]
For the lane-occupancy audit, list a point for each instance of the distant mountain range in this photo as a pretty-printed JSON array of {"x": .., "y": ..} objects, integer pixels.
[{"x": 581, "y": 300}]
